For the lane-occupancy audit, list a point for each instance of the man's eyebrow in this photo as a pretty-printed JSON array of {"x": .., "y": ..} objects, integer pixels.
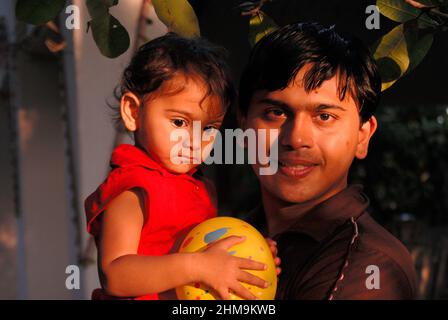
[
  {"x": 274, "y": 102},
  {"x": 325, "y": 106},
  {"x": 281, "y": 104}
]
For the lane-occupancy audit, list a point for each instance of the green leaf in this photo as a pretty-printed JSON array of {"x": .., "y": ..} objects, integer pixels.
[
  {"x": 178, "y": 16},
  {"x": 38, "y": 12},
  {"x": 400, "y": 51},
  {"x": 389, "y": 69},
  {"x": 400, "y": 11},
  {"x": 247, "y": 6},
  {"x": 110, "y": 36},
  {"x": 260, "y": 25},
  {"x": 418, "y": 50},
  {"x": 98, "y": 8},
  {"x": 393, "y": 47}
]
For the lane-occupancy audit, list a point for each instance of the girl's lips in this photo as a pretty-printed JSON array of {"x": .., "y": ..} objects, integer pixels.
[
  {"x": 296, "y": 171},
  {"x": 188, "y": 160}
]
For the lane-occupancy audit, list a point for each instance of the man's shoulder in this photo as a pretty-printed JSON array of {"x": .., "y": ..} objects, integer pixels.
[
  {"x": 377, "y": 250},
  {"x": 375, "y": 238},
  {"x": 357, "y": 253}
]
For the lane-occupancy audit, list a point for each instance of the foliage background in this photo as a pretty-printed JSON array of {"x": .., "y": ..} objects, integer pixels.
[
  {"x": 405, "y": 173},
  {"x": 406, "y": 169}
]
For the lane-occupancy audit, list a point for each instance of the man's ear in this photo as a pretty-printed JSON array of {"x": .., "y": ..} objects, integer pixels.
[
  {"x": 129, "y": 108},
  {"x": 366, "y": 131}
]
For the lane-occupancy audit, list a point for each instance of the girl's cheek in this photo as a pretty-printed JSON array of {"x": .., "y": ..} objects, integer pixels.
[{"x": 207, "y": 147}]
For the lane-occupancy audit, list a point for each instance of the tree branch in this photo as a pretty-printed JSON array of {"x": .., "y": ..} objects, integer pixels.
[
  {"x": 429, "y": 9},
  {"x": 256, "y": 9}
]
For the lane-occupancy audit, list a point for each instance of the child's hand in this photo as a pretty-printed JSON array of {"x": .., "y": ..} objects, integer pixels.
[
  {"x": 273, "y": 246},
  {"x": 222, "y": 272}
]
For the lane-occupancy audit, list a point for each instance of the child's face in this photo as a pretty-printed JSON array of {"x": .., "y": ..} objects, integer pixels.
[
  {"x": 319, "y": 136},
  {"x": 176, "y": 105}
]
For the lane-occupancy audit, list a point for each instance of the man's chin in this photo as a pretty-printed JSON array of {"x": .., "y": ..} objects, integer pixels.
[
  {"x": 291, "y": 195},
  {"x": 301, "y": 193},
  {"x": 295, "y": 198}
]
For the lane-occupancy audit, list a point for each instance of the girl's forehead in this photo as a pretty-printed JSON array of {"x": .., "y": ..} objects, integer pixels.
[
  {"x": 189, "y": 93},
  {"x": 178, "y": 84}
]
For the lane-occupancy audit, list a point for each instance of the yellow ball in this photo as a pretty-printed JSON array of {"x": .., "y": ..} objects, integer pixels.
[{"x": 254, "y": 247}]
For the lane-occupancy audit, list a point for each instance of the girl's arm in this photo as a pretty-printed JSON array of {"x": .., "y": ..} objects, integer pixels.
[{"x": 124, "y": 273}]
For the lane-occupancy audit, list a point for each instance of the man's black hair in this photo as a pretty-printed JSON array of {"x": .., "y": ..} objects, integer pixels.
[{"x": 278, "y": 57}]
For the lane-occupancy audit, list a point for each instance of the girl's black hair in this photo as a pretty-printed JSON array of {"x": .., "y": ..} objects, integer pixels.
[
  {"x": 162, "y": 58},
  {"x": 278, "y": 57}
]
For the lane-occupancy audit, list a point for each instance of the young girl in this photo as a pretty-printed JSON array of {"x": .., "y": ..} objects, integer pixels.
[{"x": 153, "y": 196}]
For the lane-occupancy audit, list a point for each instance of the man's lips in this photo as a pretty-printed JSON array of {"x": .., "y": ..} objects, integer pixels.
[{"x": 296, "y": 168}]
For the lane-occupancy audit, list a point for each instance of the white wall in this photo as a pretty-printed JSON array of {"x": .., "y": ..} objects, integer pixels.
[
  {"x": 9, "y": 288},
  {"x": 37, "y": 245},
  {"x": 95, "y": 78},
  {"x": 42, "y": 236}
]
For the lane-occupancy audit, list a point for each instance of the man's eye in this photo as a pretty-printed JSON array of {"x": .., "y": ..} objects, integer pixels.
[
  {"x": 324, "y": 116},
  {"x": 275, "y": 112},
  {"x": 179, "y": 123}
]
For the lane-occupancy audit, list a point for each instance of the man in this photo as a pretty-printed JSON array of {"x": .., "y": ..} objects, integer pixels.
[{"x": 320, "y": 90}]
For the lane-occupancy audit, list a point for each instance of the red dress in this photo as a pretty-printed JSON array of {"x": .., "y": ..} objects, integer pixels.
[{"x": 173, "y": 202}]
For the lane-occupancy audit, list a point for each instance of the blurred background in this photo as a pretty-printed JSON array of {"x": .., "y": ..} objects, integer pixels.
[{"x": 56, "y": 131}]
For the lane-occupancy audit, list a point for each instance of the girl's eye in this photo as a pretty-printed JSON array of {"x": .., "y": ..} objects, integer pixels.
[
  {"x": 210, "y": 129},
  {"x": 179, "y": 123}
]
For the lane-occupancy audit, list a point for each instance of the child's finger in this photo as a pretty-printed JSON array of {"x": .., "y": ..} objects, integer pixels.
[
  {"x": 249, "y": 278},
  {"x": 248, "y": 264},
  {"x": 229, "y": 242},
  {"x": 277, "y": 261},
  {"x": 243, "y": 292},
  {"x": 274, "y": 250},
  {"x": 223, "y": 294},
  {"x": 278, "y": 270}
]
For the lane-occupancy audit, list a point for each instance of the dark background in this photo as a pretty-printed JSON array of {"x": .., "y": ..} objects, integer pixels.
[{"x": 405, "y": 174}]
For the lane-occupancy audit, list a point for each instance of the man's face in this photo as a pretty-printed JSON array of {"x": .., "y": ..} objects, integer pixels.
[{"x": 319, "y": 136}]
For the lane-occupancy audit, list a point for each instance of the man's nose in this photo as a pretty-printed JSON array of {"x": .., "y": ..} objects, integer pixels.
[{"x": 298, "y": 133}]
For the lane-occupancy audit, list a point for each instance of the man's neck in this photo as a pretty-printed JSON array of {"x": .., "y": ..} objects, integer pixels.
[
  {"x": 275, "y": 221},
  {"x": 278, "y": 220}
]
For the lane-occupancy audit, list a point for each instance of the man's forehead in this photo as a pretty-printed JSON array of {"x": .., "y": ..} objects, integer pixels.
[{"x": 295, "y": 94}]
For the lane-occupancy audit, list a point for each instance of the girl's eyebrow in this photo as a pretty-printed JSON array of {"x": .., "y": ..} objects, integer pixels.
[
  {"x": 184, "y": 112},
  {"x": 216, "y": 122}
]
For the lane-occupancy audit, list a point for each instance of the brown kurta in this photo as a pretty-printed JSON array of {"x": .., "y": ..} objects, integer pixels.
[{"x": 327, "y": 251}]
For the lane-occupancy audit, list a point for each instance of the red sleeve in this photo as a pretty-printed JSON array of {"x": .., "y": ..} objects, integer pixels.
[{"x": 118, "y": 181}]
